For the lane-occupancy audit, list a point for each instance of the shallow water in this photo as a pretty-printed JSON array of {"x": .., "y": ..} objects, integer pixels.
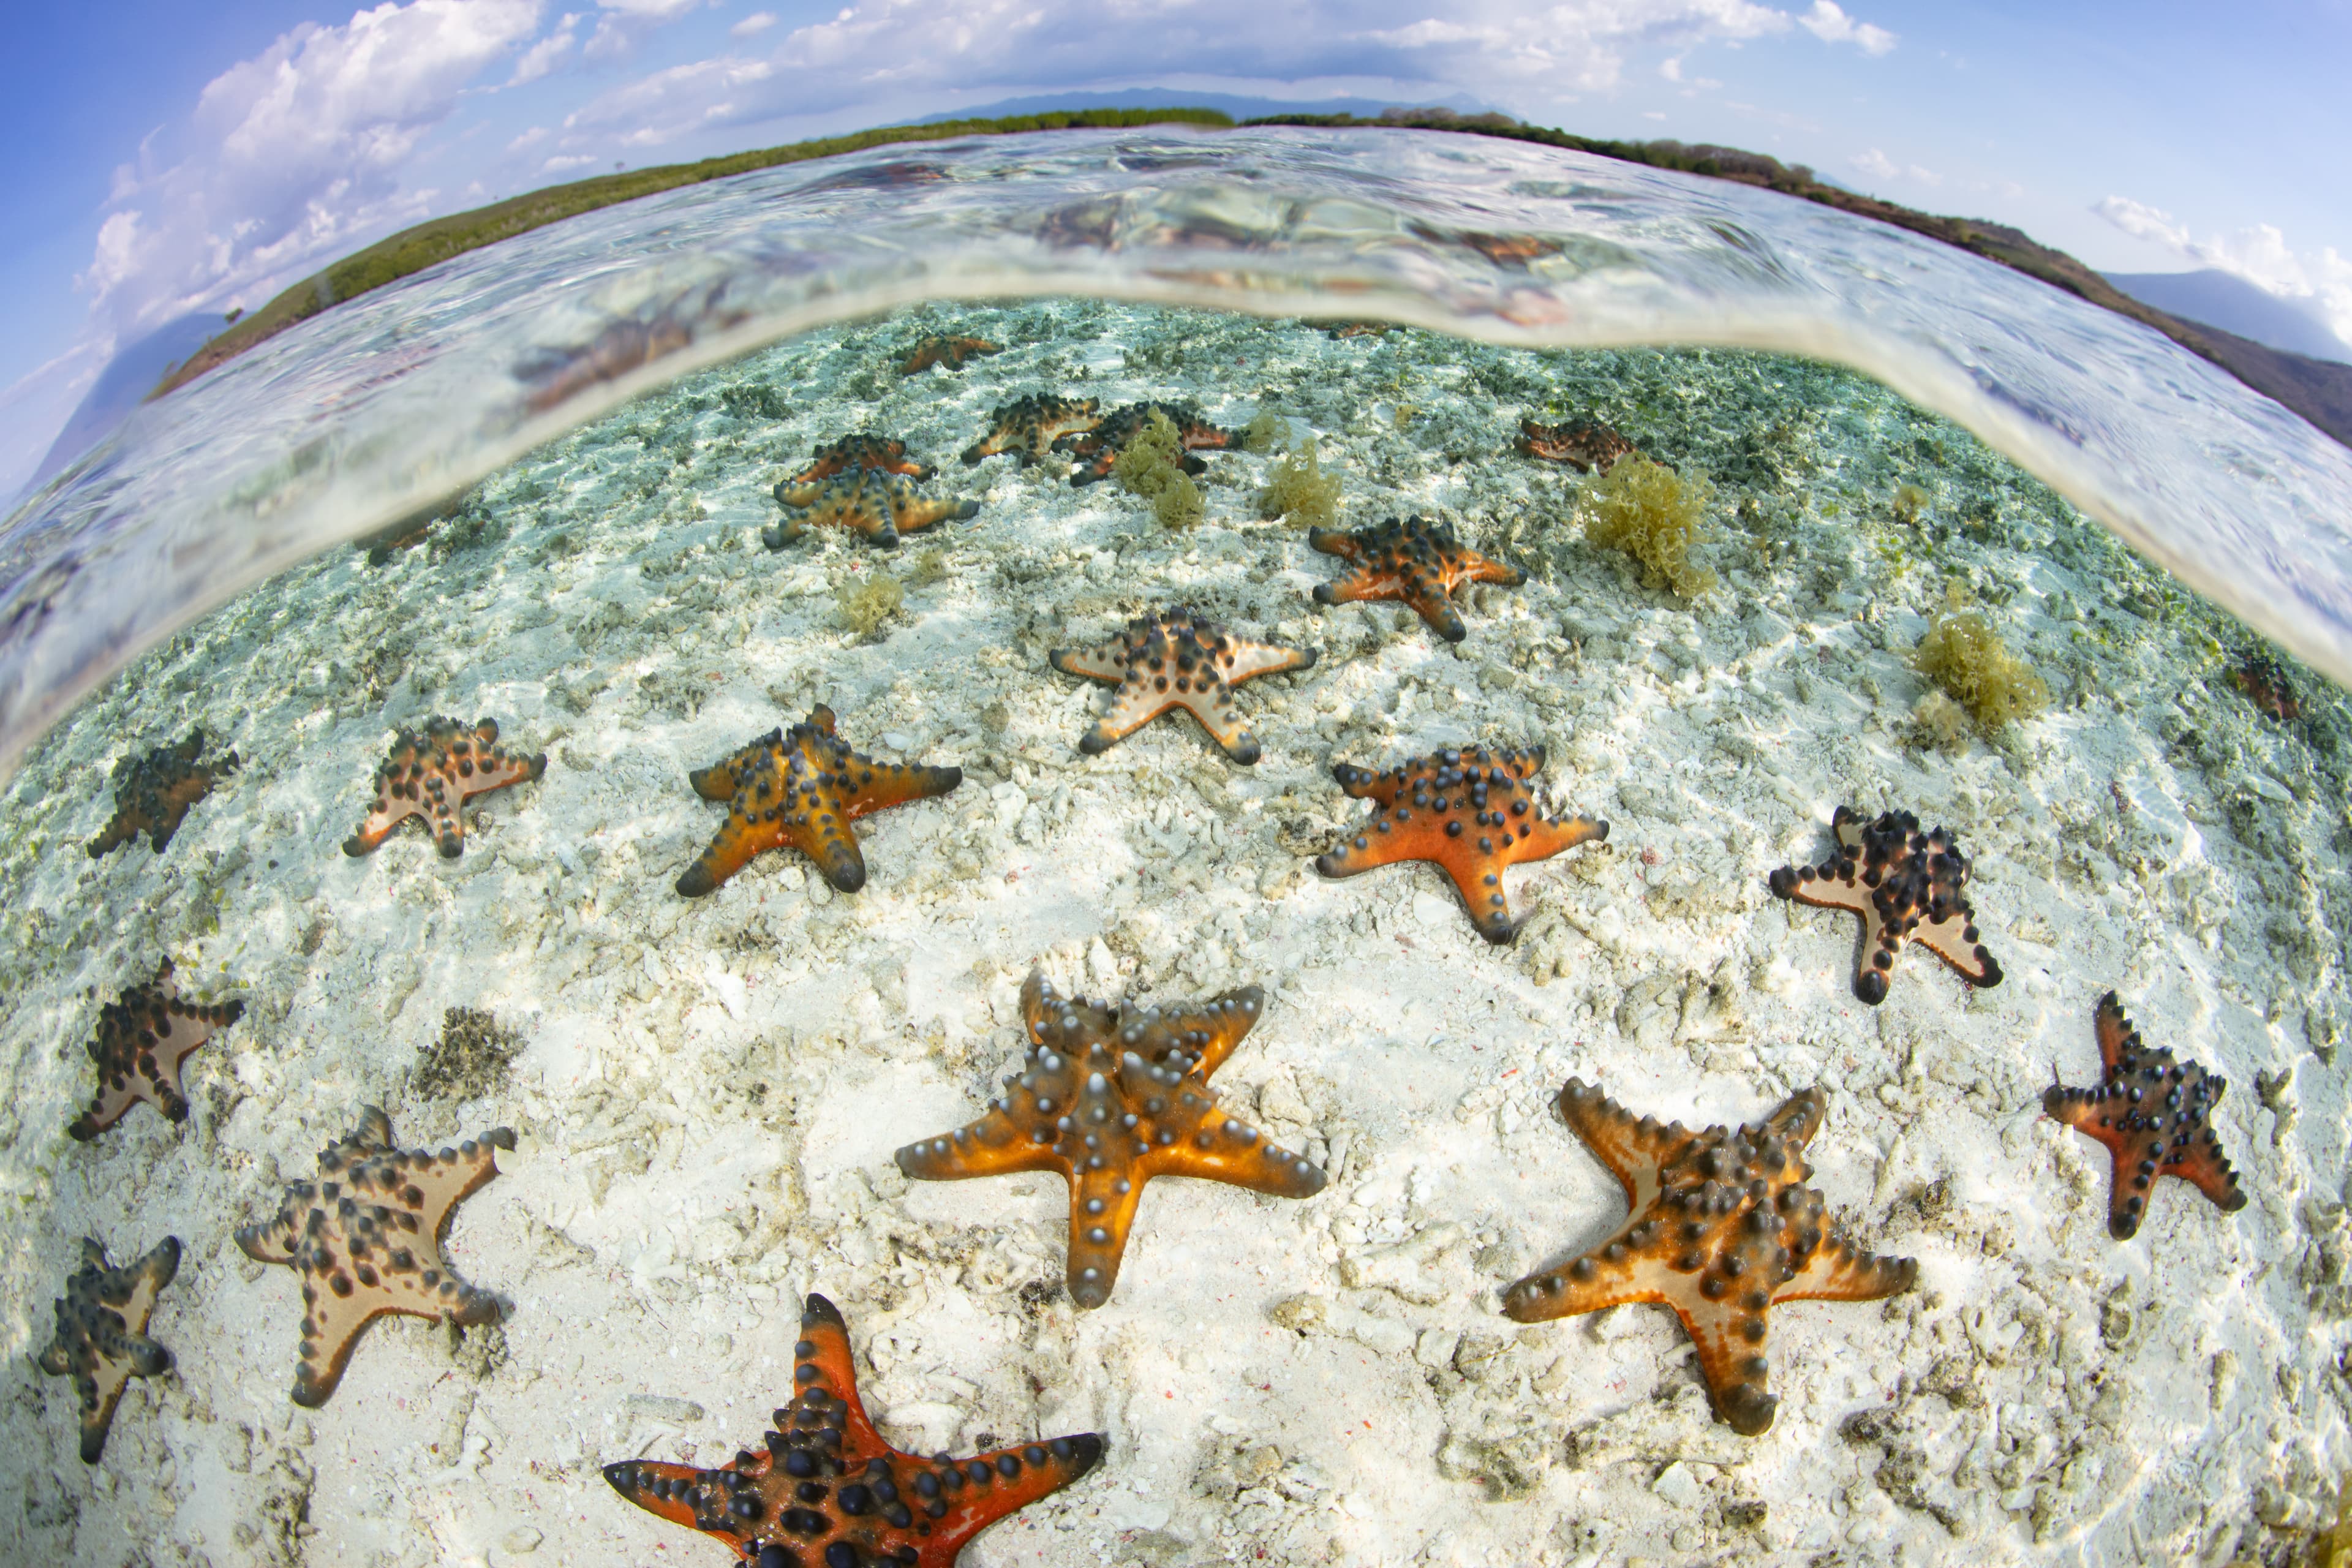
[{"x": 707, "y": 1092}]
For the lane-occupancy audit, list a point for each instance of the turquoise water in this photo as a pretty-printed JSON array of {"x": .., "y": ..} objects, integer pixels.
[{"x": 708, "y": 1094}]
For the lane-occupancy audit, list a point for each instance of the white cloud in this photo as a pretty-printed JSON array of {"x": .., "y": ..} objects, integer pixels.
[
  {"x": 1876, "y": 164},
  {"x": 563, "y": 162},
  {"x": 1828, "y": 22},
  {"x": 757, "y": 22},
  {"x": 2259, "y": 254},
  {"x": 293, "y": 156},
  {"x": 544, "y": 56},
  {"x": 872, "y": 52}
]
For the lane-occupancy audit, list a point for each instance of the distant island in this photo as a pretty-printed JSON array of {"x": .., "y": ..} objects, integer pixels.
[{"x": 2319, "y": 390}]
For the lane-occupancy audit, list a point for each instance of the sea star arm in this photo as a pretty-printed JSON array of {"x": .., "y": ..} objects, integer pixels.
[
  {"x": 388, "y": 813},
  {"x": 1211, "y": 1030},
  {"x": 1335, "y": 542},
  {"x": 721, "y": 779},
  {"x": 444, "y": 1180},
  {"x": 1248, "y": 660},
  {"x": 1634, "y": 1148},
  {"x": 1615, "y": 1272},
  {"x": 821, "y": 1359},
  {"x": 1837, "y": 1272},
  {"x": 1225, "y": 1148},
  {"x": 1953, "y": 939},
  {"x": 913, "y": 514},
  {"x": 1102, "y": 1216},
  {"x": 994, "y": 1145},
  {"x": 1132, "y": 706},
  {"x": 1367, "y": 784},
  {"x": 879, "y": 785},
  {"x": 1105, "y": 663},
  {"x": 1732, "y": 1359},
  {"x": 1477, "y": 568}
]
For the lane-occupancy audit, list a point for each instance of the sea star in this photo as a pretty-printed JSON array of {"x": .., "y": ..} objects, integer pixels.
[
  {"x": 2265, "y": 681},
  {"x": 882, "y": 454},
  {"x": 1415, "y": 560},
  {"x": 1111, "y": 1096},
  {"x": 141, "y": 1042},
  {"x": 1177, "y": 659},
  {"x": 431, "y": 774},
  {"x": 1096, "y": 450},
  {"x": 2155, "y": 1115},
  {"x": 366, "y": 1239},
  {"x": 101, "y": 1335},
  {"x": 1470, "y": 811},
  {"x": 153, "y": 794},
  {"x": 1588, "y": 447},
  {"x": 801, "y": 789},
  {"x": 1722, "y": 1230},
  {"x": 1028, "y": 426},
  {"x": 879, "y": 506},
  {"x": 827, "y": 1490},
  {"x": 949, "y": 351},
  {"x": 1906, "y": 885}
]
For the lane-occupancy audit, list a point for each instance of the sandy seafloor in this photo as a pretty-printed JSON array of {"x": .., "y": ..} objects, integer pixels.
[{"x": 711, "y": 1091}]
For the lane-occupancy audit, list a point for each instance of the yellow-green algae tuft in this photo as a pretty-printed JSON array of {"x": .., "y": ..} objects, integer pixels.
[
  {"x": 1152, "y": 466},
  {"x": 1263, "y": 431},
  {"x": 1299, "y": 490},
  {"x": 1907, "y": 502},
  {"x": 861, "y": 607},
  {"x": 1966, "y": 658},
  {"x": 1655, "y": 515}
]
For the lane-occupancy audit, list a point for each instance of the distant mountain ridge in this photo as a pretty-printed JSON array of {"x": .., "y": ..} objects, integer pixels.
[{"x": 2213, "y": 298}]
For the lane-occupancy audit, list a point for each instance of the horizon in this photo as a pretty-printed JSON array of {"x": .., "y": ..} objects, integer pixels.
[{"x": 201, "y": 164}]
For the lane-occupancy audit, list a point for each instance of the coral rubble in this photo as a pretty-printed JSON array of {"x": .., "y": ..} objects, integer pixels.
[
  {"x": 1110, "y": 1097},
  {"x": 431, "y": 774},
  {"x": 153, "y": 794},
  {"x": 1722, "y": 1229},
  {"x": 824, "y": 1488},
  {"x": 366, "y": 1240},
  {"x": 1470, "y": 811},
  {"x": 141, "y": 1042},
  {"x": 1415, "y": 560},
  {"x": 801, "y": 789},
  {"x": 1177, "y": 659},
  {"x": 1906, "y": 885},
  {"x": 2155, "y": 1115}
]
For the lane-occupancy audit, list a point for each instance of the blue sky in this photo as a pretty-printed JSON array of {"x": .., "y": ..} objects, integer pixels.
[{"x": 164, "y": 158}]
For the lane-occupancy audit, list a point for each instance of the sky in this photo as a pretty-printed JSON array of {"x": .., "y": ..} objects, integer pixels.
[{"x": 164, "y": 158}]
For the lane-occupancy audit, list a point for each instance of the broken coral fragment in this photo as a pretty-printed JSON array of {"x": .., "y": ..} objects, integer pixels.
[
  {"x": 1414, "y": 561},
  {"x": 2155, "y": 1114},
  {"x": 1722, "y": 1229},
  {"x": 100, "y": 1341},
  {"x": 1112, "y": 1096},
  {"x": 824, "y": 1488},
  {"x": 1905, "y": 886},
  {"x": 153, "y": 793},
  {"x": 1470, "y": 811},
  {"x": 366, "y": 1240},
  {"x": 801, "y": 789},
  {"x": 141, "y": 1041},
  {"x": 431, "y": 774},
  {"x": 1177, "y": 659}
]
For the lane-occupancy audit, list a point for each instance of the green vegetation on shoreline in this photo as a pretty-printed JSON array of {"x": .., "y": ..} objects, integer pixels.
[{"x": 2318, "y": 391}]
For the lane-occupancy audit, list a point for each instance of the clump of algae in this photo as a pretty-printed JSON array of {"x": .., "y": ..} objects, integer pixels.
[
  {"x": 1907, "y": 503},
  {"x": 1964, "y": 655},
  {"x": 861, "y": 607},
  {"x": 1655, "y": 515},
  {"x": 1152, "y": 466},
  {"x": 1299, "y": 490},
  {"x": 1940, "y": 724},
  {"x": 1264, "y": 432}
]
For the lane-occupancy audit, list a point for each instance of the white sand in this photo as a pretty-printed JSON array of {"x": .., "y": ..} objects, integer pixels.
[{"x": 711, "y": 1091}]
